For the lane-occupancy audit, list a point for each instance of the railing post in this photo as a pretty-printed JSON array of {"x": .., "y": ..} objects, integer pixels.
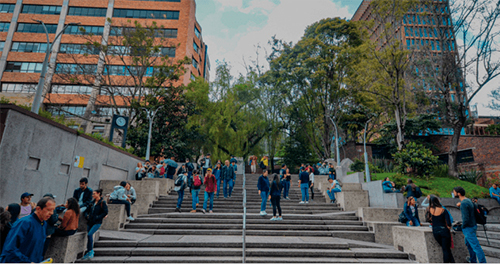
[{"x": 244, "y": 218}]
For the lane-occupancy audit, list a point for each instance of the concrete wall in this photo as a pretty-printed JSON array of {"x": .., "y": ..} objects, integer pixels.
[
  {"x": 380, "y": 199},
  {"x": 37, "y": 155}
]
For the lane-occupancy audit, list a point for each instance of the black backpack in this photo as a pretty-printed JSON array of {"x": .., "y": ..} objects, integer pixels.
[
  {"x": 479, "y": 214},
  {"x": 179, "y": 181},
  {"x": 418, "y": 193}
]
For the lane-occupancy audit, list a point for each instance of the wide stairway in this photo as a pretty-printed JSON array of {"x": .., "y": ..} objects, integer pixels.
[{"x": 314, "y": 232}]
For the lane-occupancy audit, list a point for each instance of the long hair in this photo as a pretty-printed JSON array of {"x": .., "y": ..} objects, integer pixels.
[
  {"x": 413, "y": 186},
  {"x": 14, "y": 210},
  {"x": 434, "y": 202},
  {"x": 277, "y": 181},
  {"x": 73, "y": 205},
  {"x": 4, "y": 220},
  {"x": 386, "y": 178}
]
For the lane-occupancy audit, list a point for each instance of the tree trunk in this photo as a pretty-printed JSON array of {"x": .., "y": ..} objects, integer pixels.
[
  {"x": 400, "y": 136},
  {"x": 452, "y": 155}
]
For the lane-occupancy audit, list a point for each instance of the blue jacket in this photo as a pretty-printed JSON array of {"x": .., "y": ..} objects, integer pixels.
[
  {"x": 227, "y": 173},
  {"x": 409, "y": 215},
  {"x": 275, "y": 189},
  {"x": 217, "y": 174},
  {"x": 87, "y": 196},
  {"x": 96, "y": 213},
  {"x": 467, "y": 210},
  {"x": 304, "y": 177},
  {"x": 386, "y": 186},
  {"x": 118, "y": 193},
  {"x": 263, "y": 184},
  {"x": 25, "y": 241}
]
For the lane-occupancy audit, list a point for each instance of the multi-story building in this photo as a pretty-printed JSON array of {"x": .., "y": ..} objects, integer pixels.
[
  {"x": 23, "y": 45},
  {"x": 426, "y": 30}
]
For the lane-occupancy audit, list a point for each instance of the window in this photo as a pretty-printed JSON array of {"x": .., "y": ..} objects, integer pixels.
[
  {"x": 159, "y": 33},
  {"x": 36, "y": 28},
  {"x": 4, "y": 26},
  {"x": 66, "y": 110},
  {"x": 408, "y": 43},
  {"x": 168, "y": 51},
  {"x": 2, "y": 45},
  {"x": 71, "y": 89},
  {"x": 29, "y": 47},
  {"x": 83, "y": 30},
  {"x": 463, "y": 156},
  {"x": 25, "y": 67},
  {"x": 78, "y": 49},
  {"x": 147, "y": 14},
  {"x": 195, "y": 47},
  {"x": 18, "y": 88},
  {"x": 67, "y": 68},
  {"x": 438, "y": 47},
  {"x": 87, "y": 11},
  {"x": 197, "y": 32},
  {"x": 195, "y": 63},
  {"x": 41, "y": 9},
  {"x": 7, "y": 8}
]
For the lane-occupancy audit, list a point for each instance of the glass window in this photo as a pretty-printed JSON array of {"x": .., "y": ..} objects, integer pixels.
[
  {"x": 197, "y": 32},
  {"x": 36, "y": 28},
  {"x": 146, "y": 14},
  {"x": 87, "y": 11},
  {"x": 195, "y": 47},
  {"x": 4, "y": 26},
  {"x": 83, "y": 30},
  {"x": 195, "y": 63},
  {"x": 25, "y": 67},
  {"x": 7, "y": 8},
  {"x": 41, "y": 9}
]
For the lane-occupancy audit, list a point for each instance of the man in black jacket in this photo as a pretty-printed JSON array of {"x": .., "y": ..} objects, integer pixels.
[
  {"x": 227, "y": 178},
  {"x": 83, "y": 195}
]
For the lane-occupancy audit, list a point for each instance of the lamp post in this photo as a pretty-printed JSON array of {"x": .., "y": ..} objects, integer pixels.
[
  {"x": 367, "y": 167},
  {"x": 336, "y": 141},
  {"x": 39, "y": 88},
  {"x": 151, "y": 116}
]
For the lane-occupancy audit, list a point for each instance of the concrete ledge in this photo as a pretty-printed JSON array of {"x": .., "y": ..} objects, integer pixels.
[
  {"x": 383, "y": 231},
  {"x": 165, "y": 185},
  {"x": 352, "y": 200},
  {"x": 358, "y": 177},
  {"x": 380, "y": 199},
  {"x": 420, "y": 243},
  {"x": 117, "y": 217},
  {"x": 67, "y": 249},
  {"x": 368, "y": 214}
]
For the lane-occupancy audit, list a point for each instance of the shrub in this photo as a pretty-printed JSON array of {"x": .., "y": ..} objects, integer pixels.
[
  {"x": 478, "y": 194},
  {"x": 415, "y": 159},
  {"x": 470, "y": 176},
  {"x": 440, "y": 171},
  {"x": 385, "y": 166},
  {"x": 400, "y": 180},
  {"x": 358, "y": 165}
]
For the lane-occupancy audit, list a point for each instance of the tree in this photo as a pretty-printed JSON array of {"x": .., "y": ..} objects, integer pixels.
[
  {"x": 309, "y": 79},
  {"x": 476, "y": 56}
]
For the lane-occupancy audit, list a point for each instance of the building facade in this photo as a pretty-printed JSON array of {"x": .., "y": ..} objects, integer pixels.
[{"x": 23, "y": 44}]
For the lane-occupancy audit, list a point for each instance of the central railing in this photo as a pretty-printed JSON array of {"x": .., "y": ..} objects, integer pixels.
[{"x": 244, "y": 216}]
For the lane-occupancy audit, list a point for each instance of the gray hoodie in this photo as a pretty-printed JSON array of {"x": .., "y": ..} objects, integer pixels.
[{"x": 118, "y": 193}]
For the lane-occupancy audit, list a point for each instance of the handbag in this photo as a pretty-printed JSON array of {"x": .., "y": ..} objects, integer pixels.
[{"x": 402, "y": 218}]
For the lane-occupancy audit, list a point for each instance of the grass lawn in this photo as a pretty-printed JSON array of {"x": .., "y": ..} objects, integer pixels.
[{"x": 441, "y": 186}]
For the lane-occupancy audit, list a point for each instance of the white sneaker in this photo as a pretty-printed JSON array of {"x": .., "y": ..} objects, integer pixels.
[
  {"x": 307, "y": 201},
  {"x": 261, "y": 212},
  {"x": 301, "y": 202},
  {"x": 264, "y": 212},
  {"x": 130, "y": 218},
  {"x": 273, "y": 219}
]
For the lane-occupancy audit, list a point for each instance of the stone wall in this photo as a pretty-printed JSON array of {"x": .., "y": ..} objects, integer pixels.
[
  {"x": 37, "y": 155},
  {"x": 352, "y": 150}
]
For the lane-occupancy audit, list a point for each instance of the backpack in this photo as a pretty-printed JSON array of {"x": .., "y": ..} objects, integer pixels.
[
  {"x": 190, "y": 166},
  {"x": 179, "y": 180},
  {"x": 402, "y": 218},
  {"x": 479, "y": 214},
  {"x": 418, "y": 193},
  {"x": 162, "y": 170},
  {"x": 197, "y": 181},
  {"x": 261, "y": 165},
  {"x": 170, "y": 170}
]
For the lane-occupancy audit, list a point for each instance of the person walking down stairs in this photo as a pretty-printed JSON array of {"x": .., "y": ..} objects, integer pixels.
[
  {"x": 275, "y": 197},
  {"x": 210, "y": 187},
  {"x": 304, "y": 185},
  {"x": 195, "y": 186},
  {"x": 263, "y": 187}
]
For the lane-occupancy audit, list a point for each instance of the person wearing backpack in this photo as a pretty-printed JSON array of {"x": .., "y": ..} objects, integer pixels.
[
  {"x": 469, "y": 226},
  {"x": 210, "y": 188},
  {"x": 411, "y": 212},
  {"x": 441, "y": 222},
  {"x": 190, "y": 168},
  {"x": 227, "y": 179},
  {"x": 412, "y": 190},
  {"x": 195, "y": 186},
  {"x": 180, "y": 184}
]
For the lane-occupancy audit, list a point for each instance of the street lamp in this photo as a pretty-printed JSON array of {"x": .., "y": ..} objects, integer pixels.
[
  {"x": 336, "y": 141},
  {"x": 151, "y": 116},
  {"x": 39, "y": 88},
  {"x": 367, "y": 167}
]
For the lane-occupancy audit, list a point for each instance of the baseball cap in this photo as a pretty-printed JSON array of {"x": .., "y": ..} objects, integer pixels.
[
  {"x": 209, "y": 169},
  {"x": 50, "y": 195},
  {"x": 26, "y": 194}
]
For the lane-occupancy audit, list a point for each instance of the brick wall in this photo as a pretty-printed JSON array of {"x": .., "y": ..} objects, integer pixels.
[{"x": 353, "y": 150}]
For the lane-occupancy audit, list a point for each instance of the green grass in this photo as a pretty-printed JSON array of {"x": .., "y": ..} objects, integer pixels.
[{"x": 440, "y": 186}]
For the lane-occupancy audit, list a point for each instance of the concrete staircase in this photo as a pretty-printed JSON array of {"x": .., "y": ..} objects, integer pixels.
[
  {"x": 316, "y": 232},
  {"x": 493, "y": 231}
]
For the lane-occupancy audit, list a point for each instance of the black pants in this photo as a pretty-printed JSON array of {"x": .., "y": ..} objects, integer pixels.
[
  {"x": 312, "y": 192},
  {"x": 443, "y": 237},
  {"x": 275, "y": 201},
  {"x": 125, "y": 202}
]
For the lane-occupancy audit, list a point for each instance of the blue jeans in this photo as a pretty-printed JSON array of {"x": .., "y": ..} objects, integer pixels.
[
  {"x": 125, "y": 202},
  {"x": 180, "y": 198},
  {"x": 331, "y": 193},
  {"x": 207, "y": 196},
  {"x": 304, "y": 188},
  {"x": 286, "y": 188},
  {"x": 169, "y": 176},
  {"x": 415, "y": 222},
  {"x": 91, "y": 229},
  {"x": 196, "y": 200},
  {"x": 228, "y": 183},
  {"x": 263, "y": 205},
  {"x": 496, "y": 198},
  {"x": 475, "y": 251},
  {"x": 218, "y": 187}
]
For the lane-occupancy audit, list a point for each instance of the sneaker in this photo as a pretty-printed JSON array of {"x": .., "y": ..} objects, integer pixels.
[
  {"x": 130, "y": 218},
  {"x": 279, "y": 218},
  {"x": 211, "y": 212},
  {"x": 177, "y": 209},
  {"x": 468, "y": 259},
  {"x": 261, "y": 212},
  {"x": 301, "y": 202},
  {"x": 203, "y": 211},
  {"x": 264, "y": 212},
  {"x": 193, "y": 211},
  {"x": 307, "y": 201},
  {"x": 334, "y": 201},
  {"x": 273, "y": 219},
  {"x": 89, "y": 255}
]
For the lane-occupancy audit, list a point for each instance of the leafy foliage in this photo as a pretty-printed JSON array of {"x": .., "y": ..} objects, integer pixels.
[
  {"x": 471, "y": 176},
  {"x": 415, "y": 159},
  {"x": 493, "y": 129}
]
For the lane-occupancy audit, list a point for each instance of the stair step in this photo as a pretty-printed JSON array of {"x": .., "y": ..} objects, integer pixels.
[
  {"x": 491, "y": 251},
  {"x": 239, "y": 221},
  {"x": 311, "y": 245}
]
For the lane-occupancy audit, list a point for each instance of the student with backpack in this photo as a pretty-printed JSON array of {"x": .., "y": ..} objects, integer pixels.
[
  {"x": 210, "y": 188},
  {"x": 469, "y": 226},
  {"x": 180, "y": 184},
  {"x": 412, "y": 190},
  {"x": 195, "y": 186}
]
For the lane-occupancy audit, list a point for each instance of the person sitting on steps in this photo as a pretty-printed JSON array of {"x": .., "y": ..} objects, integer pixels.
[
  {"x": 334, "y": 188},
  {"x": 389, "y": 187},
  {"x": 118, "y": 196}
]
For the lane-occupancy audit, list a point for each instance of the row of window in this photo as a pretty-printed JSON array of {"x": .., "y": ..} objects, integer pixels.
[
  {"x": 87, "y": 90},
  {"x": 87, "y": 11},
  {"x": 36, "y": 28},
  {"x": 4, "y": 26},
  {"x": 427, "y": 32},
  {"x": 159, "y": 33},
  {"x": 2, "y": 45},
  {"x": 197, "y": 32},
  {"x": 29, "y": 47},
  {"x": 18, "y": 88},
  {"x": 80, "y": 110},
  {"x": 138, "y": 13},
  {"x": 41, "y": 9},
  {"x": 435, "y": 45},
  {"x": 7, "y": 8},
  {"x": 77, "y": 30},
  {"x": 425, "y": 20},
  {"x": 26, "y": 67},
  {"x": 116, "y": 70},
  {"x": 195, "y": 63}
]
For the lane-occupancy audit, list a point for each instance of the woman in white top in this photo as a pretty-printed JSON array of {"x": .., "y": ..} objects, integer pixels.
[
  {"x": 26, "y": 205},
  {"x": 311, "y": 182}
]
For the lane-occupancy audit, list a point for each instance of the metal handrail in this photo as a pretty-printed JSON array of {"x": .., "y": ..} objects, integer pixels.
[{"x": 244, "y": 216}]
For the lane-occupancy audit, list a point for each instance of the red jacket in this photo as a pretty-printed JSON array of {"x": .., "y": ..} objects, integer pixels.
[{"x": 210, "y": 183}]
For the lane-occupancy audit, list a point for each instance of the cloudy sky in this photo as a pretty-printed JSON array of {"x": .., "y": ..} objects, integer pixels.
[{"x": 233, "y": 29}]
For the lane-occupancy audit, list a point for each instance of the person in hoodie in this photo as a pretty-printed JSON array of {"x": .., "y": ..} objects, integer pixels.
[
  {"x": 118, "y": 196},
  {"x": 210, "y": 187},
  {"x": 217, "y": 173},
  {"x": 227, "y": 176},
  {"x": 83, "y": 194},
  {"x": 263, "y": 187},
  {"x": 274, "y": 196},
  {"x": 25, "y": 241}
]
